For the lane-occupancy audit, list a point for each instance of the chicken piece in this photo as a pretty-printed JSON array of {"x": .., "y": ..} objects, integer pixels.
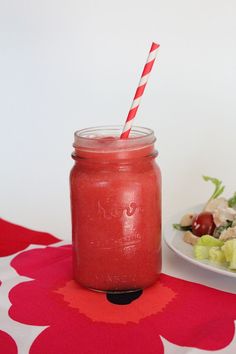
[
  {"x": 221, "y": 211},
  {"x": 187, "y": 219},
  {"x": 190, "y": 238},
  {"x": 221, "y": 215},
  {"x": 228, "y": 234},
  {"x": 214, "y": 204}
]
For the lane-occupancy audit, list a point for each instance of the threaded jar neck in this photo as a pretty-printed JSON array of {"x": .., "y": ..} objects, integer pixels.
[{"x": 104, "y": 143}]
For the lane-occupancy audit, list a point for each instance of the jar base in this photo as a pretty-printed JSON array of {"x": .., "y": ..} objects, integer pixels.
[{"x": 115, "y": 291}]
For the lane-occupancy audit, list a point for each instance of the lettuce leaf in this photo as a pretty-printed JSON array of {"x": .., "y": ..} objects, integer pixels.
[
  {"x": 232, "y": 201},
  {"x": 182, "y": 228},
  {"x": 219, "y": 189}
]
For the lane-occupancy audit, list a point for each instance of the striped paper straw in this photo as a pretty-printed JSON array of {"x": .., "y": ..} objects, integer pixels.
[{"x": 140, "y": 90}]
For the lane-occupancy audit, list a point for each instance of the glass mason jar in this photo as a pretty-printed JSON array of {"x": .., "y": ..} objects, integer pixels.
[{"x": 116, "y": 209}]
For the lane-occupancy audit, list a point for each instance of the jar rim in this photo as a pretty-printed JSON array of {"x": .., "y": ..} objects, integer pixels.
[
  {"x": 93, "y": 134},
  {"x": 136, "y": 132},
  {"x": 105, "y": 141}
]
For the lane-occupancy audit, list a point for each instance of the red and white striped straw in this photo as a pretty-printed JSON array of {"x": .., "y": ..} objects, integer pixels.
[{"x": 140, "y": 90}]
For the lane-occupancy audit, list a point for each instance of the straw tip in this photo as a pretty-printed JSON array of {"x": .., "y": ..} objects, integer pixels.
[{"x": 155, "y": 46}]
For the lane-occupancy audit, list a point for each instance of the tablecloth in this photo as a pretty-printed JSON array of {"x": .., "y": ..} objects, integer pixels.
[{"x": 43, "y": 311}]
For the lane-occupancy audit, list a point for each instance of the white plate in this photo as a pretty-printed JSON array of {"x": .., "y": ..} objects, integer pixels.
[{"x": 174, "y": 240}]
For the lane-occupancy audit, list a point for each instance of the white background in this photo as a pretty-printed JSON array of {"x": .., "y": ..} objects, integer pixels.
[{"x": 67, "y": 65}]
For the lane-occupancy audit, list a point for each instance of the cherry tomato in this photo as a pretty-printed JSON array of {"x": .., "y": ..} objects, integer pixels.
[{"x": 203, "y": 224}]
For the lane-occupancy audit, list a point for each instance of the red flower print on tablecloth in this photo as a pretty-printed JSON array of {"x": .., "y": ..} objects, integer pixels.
[
  {"x": 85, "y": 322},
  {"x": 14, "y": 238},
  {"x": 7, "y": 344}
]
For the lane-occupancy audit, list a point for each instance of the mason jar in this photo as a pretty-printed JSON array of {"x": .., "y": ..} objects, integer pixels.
[{"x": 116, "y": 209}]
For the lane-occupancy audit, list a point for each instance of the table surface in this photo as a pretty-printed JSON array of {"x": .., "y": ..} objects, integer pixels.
[{"x": 32, "y": 313}]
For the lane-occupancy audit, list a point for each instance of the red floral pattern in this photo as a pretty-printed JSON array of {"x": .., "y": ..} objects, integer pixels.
[
  {"x": 81, "y": 321},
  {"x": 14, "y": 238},
  {"x": 7, "y": 344}
]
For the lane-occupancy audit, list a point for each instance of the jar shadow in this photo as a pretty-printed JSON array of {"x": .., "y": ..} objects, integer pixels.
[{"x": 123, "y": 298}]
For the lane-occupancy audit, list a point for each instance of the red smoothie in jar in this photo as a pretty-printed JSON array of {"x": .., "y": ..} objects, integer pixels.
[{"x": 116, "y": 209}]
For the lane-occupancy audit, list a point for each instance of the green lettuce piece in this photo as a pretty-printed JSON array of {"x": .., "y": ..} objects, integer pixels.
[
  {"x": 201, "y": 252},
  {"x": 232, "y": 201},
  {"x": 232, "y": 264},
  {"x": 209, "y": 241},
  {"x": 229, "y": 250},
  {"x": 218, "y": 186},
  {"x": 216, "y": 255},
  {"x": 204, "y": 246}
]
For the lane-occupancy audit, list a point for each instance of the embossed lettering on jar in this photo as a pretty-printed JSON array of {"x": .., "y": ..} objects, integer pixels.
[{"x": 116, "y": 209}]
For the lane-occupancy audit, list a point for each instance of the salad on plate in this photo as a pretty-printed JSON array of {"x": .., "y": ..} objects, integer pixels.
[{"x": 212, "y": 232}]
